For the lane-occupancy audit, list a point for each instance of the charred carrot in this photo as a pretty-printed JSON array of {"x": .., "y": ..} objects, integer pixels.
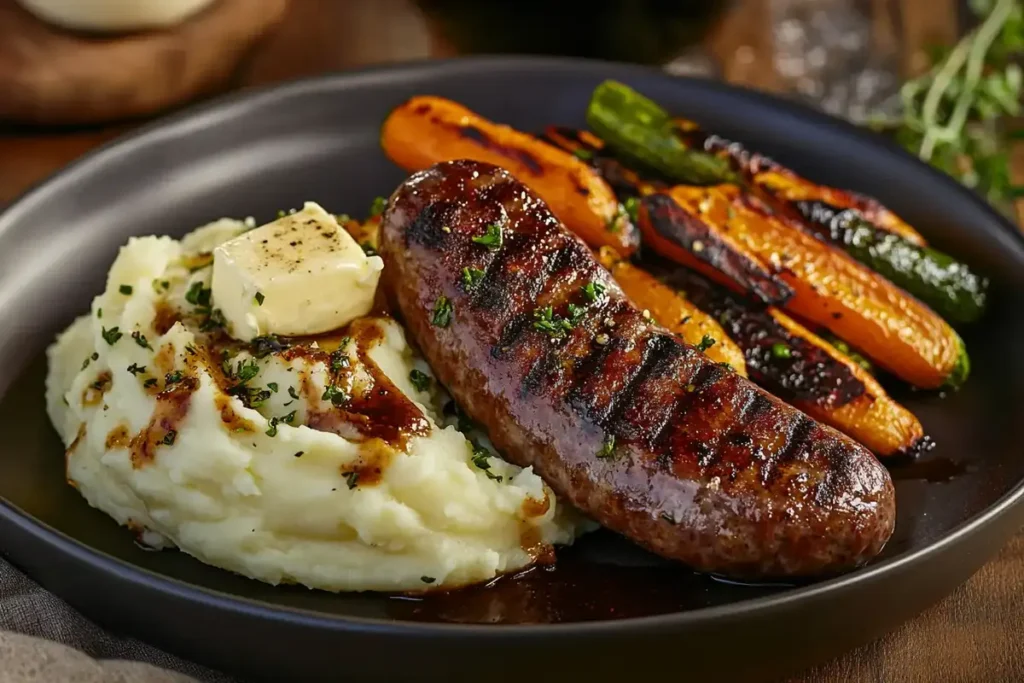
[
  {"x": 673, "y": 311},
  {"x": 827, "y": 287},
  {"x": 427, "y": 130},
  {"x": 866, "y": 230},
  {"x": 798, "y": 366}
]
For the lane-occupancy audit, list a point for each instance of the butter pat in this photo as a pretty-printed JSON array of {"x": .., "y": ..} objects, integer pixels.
[{"x": 302, "y": 274}]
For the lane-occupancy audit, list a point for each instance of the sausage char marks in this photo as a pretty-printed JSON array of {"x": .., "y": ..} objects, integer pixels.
[{"x": 633, "y": 426}]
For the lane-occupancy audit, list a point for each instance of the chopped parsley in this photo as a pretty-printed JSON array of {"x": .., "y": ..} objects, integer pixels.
[
  {"x": 492, "y": 238},
  {"x": 161, "y": 286},
  {"x": 576, "y": 314},
  {"x": 583, "y": 154},
  {"x": 149, "y": 383},
  {"x": 471, "y": 277},
  {"x": 213, "y": 321},
  {"x": 99, "y": 312},
  {"x": 246, "y": 370},
  {"x": 190, "y": 350},
  {"x": 298, "y": 454},
  {"x": 112, "y": 335},
  {"x": 781, "y": 351},
  {"x": 266, "y": 344},
  {"x": 608, "y": 447},
  {"x": 479, "y": 458},
  {"x": 442, "y": 312},
  {"x": 136, "y": 369},
  {"x": 272, "y": 386},
  {"x": 352, "y": 479},
  {"x": 592, "y": 291},
  {"x": 632, "y": 207},
  {"x": 174, "y": 377},
  {"x": 141, "y": 340},
  {"x": 427, "y": 579},
  {"x": 555, "y": 327},
  {"x": 85, "y": 363},
  {"x": 339, "y": 360},
  {"x": 275, "y": 421},
  {"x": 125, "y": 289},
  {"x": 335, "y": 395},
  {"x": 169, "y": 437},
  {"x": 198, "y": 295},
  {"x": 291, "y": 392},
  {"x": 378, "y": 206},
  {"x": 259, "y": 298},
  {"x": 706, "y": 342},
  {"x": 420, "y": 380}
]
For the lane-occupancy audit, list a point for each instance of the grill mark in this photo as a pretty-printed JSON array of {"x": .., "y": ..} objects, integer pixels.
[
  {"x": 798, "y": 436},
  {"x": 662, "y": 350},
  {"x": 493, "y": 288},
  {"x": 509, "y": 334},
  {"x": 425, "y": 228},
  {"x": 538, "y": 371},
  {"x": 706, "y": 375},
  {"x": 584, "y": 368}
]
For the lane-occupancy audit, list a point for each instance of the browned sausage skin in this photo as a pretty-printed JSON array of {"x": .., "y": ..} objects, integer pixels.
[{"x": 624, "y": 420}]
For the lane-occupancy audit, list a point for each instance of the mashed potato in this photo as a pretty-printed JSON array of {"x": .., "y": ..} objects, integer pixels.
[{"x": 320, "y": 461}]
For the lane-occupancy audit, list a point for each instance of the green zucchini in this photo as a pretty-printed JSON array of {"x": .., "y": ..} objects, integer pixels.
[
  {"x": 945, "y": 284},
  {"x": 637, "y": 129}
]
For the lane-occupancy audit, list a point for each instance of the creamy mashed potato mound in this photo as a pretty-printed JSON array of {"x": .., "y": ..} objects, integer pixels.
[{"x": 323, "y": 461}]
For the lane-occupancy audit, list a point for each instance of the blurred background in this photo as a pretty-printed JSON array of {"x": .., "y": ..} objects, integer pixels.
[{"x": 942, "y": 77}]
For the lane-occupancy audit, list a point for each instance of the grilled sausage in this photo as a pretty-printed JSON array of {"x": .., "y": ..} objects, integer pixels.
[{"x": 636, "y": 428}]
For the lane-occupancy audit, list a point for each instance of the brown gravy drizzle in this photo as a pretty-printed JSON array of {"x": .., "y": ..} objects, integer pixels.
[
  {"x": 93, "y": 393},
  {"x": 171, "y": 408},
  {"x": 118, "y": 437}
]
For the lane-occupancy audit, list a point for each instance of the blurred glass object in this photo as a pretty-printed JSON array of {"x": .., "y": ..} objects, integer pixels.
[
  {"x": 839, "y": 55},
  {"x": 644, "y": 31}
]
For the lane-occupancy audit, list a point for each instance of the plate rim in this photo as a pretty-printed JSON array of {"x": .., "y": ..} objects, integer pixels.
[{"x": 231, "y": 105}]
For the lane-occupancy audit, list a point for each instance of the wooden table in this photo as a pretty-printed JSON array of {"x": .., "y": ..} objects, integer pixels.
[{"x": 973, "y": 635}]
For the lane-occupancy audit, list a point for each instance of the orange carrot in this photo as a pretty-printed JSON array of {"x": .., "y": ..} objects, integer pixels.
[
  {"x": 673, "y": 311},
  {"x": 825, "y": 285},
  {"x": 428, "y": 130}
]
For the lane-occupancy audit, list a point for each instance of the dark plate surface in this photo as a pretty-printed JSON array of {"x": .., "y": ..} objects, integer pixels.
[{"x": 607, "y": 609}]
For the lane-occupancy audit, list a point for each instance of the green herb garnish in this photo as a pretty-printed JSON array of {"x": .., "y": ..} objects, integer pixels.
[
  {"x": 471, "y": 277},
  {"x": 352, "y": 479},
  {"x": 111, "y": 336},
  {"x": 781, "y": 351},
  {"x": 479, "y": 456},
  {"x": 338, "y": 358},
  {"x": 427, "y": 579},
  {"x": 583, "y": 154},
  {"x": 335, "y": 395},
  {"x": 272, "y": 386},
  {"x": 632, "y": 207},
  {"x": 141, "y": 340},
  {"x": 246, "y": 370},
  {"x": 149, "y": 383},
  {"x": 443, "y": 309},
  {"x": 214, "y": 321},
  {"x": 125, "y": 289},
  {"x": 173, "y": 377},
  {"x": 378, "y": 206},
  {"x": 608, "y": 447},
  {"x": 169, "y": 437},
  {"x": 592, "y": 291},
  {"x": 492, "y": 238},
  {"x": 552, "y": 325},
  {"x": 198, "y": 295},
  {"x": 420, "y": 380},
  {"x": 259, "y": 298},
  {"x": 706, "y": 342},
  {"x": 136, "y": 369}
]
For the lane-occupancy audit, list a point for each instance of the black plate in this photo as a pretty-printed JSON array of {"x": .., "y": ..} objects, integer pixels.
[{"x": 608, "y": 610}]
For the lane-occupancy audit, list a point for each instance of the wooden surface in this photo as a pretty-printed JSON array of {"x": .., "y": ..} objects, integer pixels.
[
  {"x": 51, "y": 76},
  {"x": 977, "y": 633}
]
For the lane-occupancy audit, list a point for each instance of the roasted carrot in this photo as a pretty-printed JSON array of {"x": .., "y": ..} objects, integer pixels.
[
  {"x": 777, "y": 180},
  {"x": 800, "y": 367},
  {"x": 827, "y": 287},
  {"x": 427, "y": 130},
  {"x": 673, "y": 311}
]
